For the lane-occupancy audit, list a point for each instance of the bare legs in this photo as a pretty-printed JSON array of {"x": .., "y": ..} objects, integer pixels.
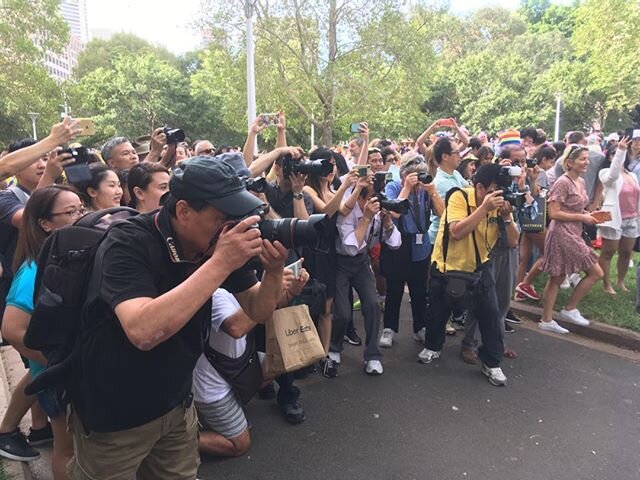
[
  {"x": 62, "y": 447},
  {"x": 607, "y": 251},
  {"x": 18, "y": 406},
  {"x": 625, "y": 250},
  {"x": 553, "y": 284}
]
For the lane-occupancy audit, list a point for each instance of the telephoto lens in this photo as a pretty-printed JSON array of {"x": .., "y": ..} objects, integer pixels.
[
  {"x": 293, "y": 232},
  {"x": 396, "y": 206}
]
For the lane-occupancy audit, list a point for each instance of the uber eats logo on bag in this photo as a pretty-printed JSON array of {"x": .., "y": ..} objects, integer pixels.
[{"x": 289, "y": 332}]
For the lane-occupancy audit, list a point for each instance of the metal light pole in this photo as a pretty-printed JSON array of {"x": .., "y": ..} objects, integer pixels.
[
  {"x": 556, "y": 135},
  {"x": 249, "y": 10},
  {"x": 33, "y": 116}
]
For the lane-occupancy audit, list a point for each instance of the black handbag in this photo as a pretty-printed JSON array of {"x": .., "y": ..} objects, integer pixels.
[
  {"x": 244, "y": 373},
  {"x": 459, "y": 285}
]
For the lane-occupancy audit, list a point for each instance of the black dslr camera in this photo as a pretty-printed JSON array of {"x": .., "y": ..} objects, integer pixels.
[
  {"x": 508, "y": 187},
  {"x": 174, "y": 135},
  {"x": 256, "y": 185},
  {"x": 380, "y": 180},
  {"x": 320, "y": 168}
]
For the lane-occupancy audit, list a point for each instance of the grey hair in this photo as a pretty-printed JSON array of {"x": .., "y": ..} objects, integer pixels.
[
  {"x": 412, "y": 162},
  {"x": 110, "y": 144},
  {"x": 358, "y": 140}
]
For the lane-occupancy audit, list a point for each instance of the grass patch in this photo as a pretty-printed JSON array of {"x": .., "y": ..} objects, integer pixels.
[{"x": 618, "y": 310}]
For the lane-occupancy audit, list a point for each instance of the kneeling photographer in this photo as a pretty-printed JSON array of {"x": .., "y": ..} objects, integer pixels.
[
  {"x": 461, "y": 272},
  {"x": 362, "y": 228},
  {"x": 229, "y": 372},
  {"x": 410, "y": 263},
  {"x": 142, "y": 335}
]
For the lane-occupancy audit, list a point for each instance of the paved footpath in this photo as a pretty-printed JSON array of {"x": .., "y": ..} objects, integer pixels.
[{"x": 571, "y": 411}]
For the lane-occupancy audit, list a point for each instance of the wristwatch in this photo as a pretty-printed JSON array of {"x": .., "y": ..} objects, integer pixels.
[{"x": 298, "y": 196}]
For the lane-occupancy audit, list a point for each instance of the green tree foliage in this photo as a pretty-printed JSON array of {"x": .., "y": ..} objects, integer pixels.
[{"x": 25, "y": 84}]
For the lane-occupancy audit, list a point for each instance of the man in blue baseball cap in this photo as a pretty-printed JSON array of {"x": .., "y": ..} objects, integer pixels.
[{"x": 133, "y": 413}]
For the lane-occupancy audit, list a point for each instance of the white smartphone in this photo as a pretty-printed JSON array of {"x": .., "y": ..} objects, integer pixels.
[{"x": 296, "y": 267}]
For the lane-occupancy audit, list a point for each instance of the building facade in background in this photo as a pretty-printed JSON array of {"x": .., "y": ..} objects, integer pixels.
[{"x": 60, "y": 66}]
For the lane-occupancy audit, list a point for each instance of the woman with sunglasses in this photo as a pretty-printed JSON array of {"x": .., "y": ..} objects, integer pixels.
[
  {"x": 410, "y": 263},
  {"x": 47, "y": 210},
  {"x": 565, "y": 250}
]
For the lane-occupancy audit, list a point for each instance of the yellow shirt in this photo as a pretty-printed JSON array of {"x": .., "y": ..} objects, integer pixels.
[{"x": 461, "y": 255}]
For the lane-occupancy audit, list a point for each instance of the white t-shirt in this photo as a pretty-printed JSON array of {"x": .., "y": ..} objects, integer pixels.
[{"x": 208, "y": 385}]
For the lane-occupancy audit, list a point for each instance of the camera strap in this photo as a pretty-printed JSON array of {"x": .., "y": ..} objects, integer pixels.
[{"x": 445, "y": 237}]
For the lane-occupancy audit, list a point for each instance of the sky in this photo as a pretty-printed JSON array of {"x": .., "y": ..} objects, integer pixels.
[{"x": 168, "y": 22}]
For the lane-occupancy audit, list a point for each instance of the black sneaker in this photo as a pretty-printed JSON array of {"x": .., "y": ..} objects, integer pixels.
[
  {"x": 329, "y": 369},
  {"x": 14, "y": 446},
  {"x": 41, "y": 436},
  {"x": 458, "y": 322},
  {"x": 352, "y": 337},
  {"x": 267, "y": 393},
  {"x": 293, "y": 413},
  {"x": 508, "y": 328},
  {"x": 513, "y": 318}
]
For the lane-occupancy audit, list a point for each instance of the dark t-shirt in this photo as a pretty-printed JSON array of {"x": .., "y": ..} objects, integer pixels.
[
  {"x": 282, "y": 202},
  {"x": 120, "y": 386},
  {"x": 10, "y": 204}
]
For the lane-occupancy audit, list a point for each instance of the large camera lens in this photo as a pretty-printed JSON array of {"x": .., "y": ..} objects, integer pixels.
[
  {"x": 425, "y": 178},
  {"x": 293, "y": 233},
  {"x": 516, "y": 200},
  {"x": 397, "y": 206},
  {"x": 319, "y": 168},
  {"x": 174, "y": 135},
  {"x": 256, "y": 185}
]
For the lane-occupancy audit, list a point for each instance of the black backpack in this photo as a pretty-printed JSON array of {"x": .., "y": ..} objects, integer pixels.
[{"x": 65, "y": 264}]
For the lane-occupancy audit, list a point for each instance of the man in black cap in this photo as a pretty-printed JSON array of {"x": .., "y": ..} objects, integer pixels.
[{"x": 132, "y": 406}]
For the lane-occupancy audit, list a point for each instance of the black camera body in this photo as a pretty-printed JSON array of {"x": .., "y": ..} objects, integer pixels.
[
  {"x": 531, "y": 162},
  {"x": 380, "y": 180},
  {"x": 425, "y": 178},
  {"x": 256, "y": 185},
  {"x": 79, "y": 154},
  {"x": 174, "y": 135},
  {"x": 320, "y": 168},
  {"x": 505, "y": 183}
]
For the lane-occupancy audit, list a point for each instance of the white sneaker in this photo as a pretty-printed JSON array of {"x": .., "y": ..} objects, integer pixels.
[
  {"x": 495, "y": 375},
  {"x": 335, "y": 356},
  {"x": 419, "y": 335},
  {"x": 565, "y": 285},
  {"x": 373, "y": 367},
  {"x": 552, "y": 326},
  {"x": 386, "y": 340},
  {"x": 574, "y": 316},
  {"x": 427, "y": 356},
  {"x": 575, "y": 279}
]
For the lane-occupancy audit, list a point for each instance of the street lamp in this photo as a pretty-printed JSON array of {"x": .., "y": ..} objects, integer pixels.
[
  {"x": 556, "y": 135},
  {"x": 33, "y": 116},
  {"x": 249, "y": 10}
]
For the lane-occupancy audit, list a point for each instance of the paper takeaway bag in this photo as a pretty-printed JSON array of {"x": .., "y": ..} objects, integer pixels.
[{"x": 292, "y": 341}]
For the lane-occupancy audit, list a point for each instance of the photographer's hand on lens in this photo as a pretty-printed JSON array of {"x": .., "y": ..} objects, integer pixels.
[
  {"x": 273, "y": 256},
  {"x": 411, "y": 180},
  {"x": 506, "y": 211},
  {"x": 430, "y": 188},
  {"x": 158, "y": 140},
  {"x": 492, "y": 201},
  {"x": 65, "y": 131},
  {"x": 237, "y": 245},
  {"x": 371, "y": 208},
  {"x": 387, "y": 219},
  {"x": 56, "y": 163},
  {"x": 297, "y": 182}
]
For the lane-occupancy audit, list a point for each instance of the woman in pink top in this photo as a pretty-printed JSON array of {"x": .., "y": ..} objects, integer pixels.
[{"x": 622, "y": 199}]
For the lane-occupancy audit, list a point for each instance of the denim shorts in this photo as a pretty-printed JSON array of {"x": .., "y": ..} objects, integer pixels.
[{"x": 49, "y": 402}]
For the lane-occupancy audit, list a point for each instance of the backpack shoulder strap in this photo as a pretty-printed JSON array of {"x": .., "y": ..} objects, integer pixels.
[{"x": 19, "y": 193}]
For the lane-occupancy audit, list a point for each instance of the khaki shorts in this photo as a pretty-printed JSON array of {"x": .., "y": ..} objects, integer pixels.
[{"x": 165, "y": 448}]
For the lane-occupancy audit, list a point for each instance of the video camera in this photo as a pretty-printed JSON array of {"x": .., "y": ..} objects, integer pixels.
[
  {"x": 380, "y": 180},
  {"x": 174, "y": 135},
  {"x": 507, "y": 185},
  {"x": 320, "y": 168},
  {"x": 256, "y": 185}
]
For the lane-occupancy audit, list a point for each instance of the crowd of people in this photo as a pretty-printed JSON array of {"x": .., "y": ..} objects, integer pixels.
[{"x": 466, "y": 223}]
